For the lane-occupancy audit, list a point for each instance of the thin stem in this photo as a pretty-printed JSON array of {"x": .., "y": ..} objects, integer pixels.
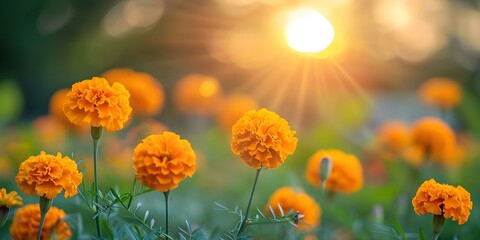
[
  {"x": 166, "y": 194},
  {"x": 242, "y": 226},
  {"x": 42, "y": 221},
  {"x": 44, "y": 205},
  {"x": 96, "y": 134}
]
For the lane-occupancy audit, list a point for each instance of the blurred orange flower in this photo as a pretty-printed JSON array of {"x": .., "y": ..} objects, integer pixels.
[
  {"x": 162, "y": 161},
  {"x": 233, "y": 108},
  {"x": 27, "y": 220},
  {"x": 262, "y": 138},
  {"x": 443, "y": 199},
  {"x": 346, "y": 175},
  {"x": 144, "y": 129},
  {"x": 394, "y": 137},
  {"x": 147, "y": 95},
  {"x": 95, "y": 103},
  {"x": 9, "y": 199},
  {"x": 198, "y": 94},
  {"x": 46, "y": 175},
  {"x": 55, "y": 107},
  {"x": 441, "y": 92},
  {"x": 300, "y": 202},
  {"x": 434, "y": 139},
  {"x": 49, "y": 131}
]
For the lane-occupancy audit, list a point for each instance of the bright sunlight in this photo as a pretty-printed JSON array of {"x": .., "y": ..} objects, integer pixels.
[{"x": 308, "y": 31}]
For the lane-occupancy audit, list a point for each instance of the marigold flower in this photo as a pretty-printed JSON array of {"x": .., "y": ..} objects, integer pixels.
[
  {"x": 144, "y": 129},
  {"x": 346, "y": 175},
  {"x": 443, "y": 199},
  {"x": 394, "y": 136},
  {"x": 300, "y": 202},
  {"x": 198, "y": 94},
  {"x": 442, "y": 92},
  {"x": 262, "y": 138},
  {"x": 55, "y": 107},
  {"x": 147, "y": 95},
  {"x": 162, "y": 161},
  {"x": 46, "y": 175},
  {"x": 27, "y": 220},
  {"x": 434, "y": 139},
  {"x": 9, "y": 199},
  {"x": 94, "y": 102},
  {"x": 233, "y": 108}
]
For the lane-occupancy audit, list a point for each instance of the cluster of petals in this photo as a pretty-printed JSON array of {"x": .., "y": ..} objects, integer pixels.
[
  {"x": 95, "y": 103},
  {"x": 263, "y": 138},
  {"x": 10, "y": 199},
  {"x": 346, "y": 175},
  {"x": 433, "y": 139},
  {"x": 441, "y": 92},
  {"x": 146, "y": 93},
  {"x": 47, "y": 175},
  {"x": 298, "y": 201},
  {"x": 27, "y": 220},
  {"x": 162, "y": 161},
  {"x": 443, "y": 199}
]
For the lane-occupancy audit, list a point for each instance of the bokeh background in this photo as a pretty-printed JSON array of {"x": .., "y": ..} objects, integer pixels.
[{"x": 382, "y": 52}]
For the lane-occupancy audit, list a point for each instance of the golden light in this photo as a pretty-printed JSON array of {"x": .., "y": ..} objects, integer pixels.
[{"x": 308, "y": 31}]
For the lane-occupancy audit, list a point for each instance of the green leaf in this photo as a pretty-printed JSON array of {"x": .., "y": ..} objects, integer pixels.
[
  {"x": 399, "y": 228},
  {"x": 421, "y": 235}
]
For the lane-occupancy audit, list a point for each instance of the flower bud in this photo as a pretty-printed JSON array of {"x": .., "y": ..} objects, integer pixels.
[{"x": 325, "y": 168}]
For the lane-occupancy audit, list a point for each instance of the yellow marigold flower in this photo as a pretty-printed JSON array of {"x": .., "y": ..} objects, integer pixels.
[
  {"x": 162, "y": 161},
  {"x": 434, "y": 139},
  {"x": 95, "y": 103},
  {"x": 443, "y": 199},
  {"x": 346, "y": 175},
  {"x": 262, "y": 138},
  {"x": 442, "y": 92},
  {"x": 46, "y": 175},
  {"x": 27, "y": 220},
  {"x": 147, "y": 95},
  {"x": 233, "y": 108},
  {"x": 300, "y": 202},
  {"x": 198, "y": 94},
  {"x": 9, "y": 199}
]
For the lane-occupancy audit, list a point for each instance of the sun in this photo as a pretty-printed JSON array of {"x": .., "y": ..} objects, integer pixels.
[{"x": 308, "y": 31}]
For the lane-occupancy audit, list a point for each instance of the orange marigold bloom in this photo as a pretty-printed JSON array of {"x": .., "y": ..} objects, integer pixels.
[
  {"x": 298, "y": 201},
  {"x": 147, "y": 95},
  {"x": 94, "y": 102},
  {"x": 162, "y": 161},
  {"x": 27, "y": 220},
  {"x": 46, "y": 175},
  {"x": 262, "y": 138},
  {"x": 434, "y": 139},
  {"x": 9, "y": 199},
  {"x": 442, "y": 92},
  {"x": 198, "y": 94},
  {"x": 55, "y": 107},
  {"x": 233, "y": 108},
  {"x": 346, "y": 175},
  {"x": 394, "y": 136},
  {"x": 443, "y": 199}
]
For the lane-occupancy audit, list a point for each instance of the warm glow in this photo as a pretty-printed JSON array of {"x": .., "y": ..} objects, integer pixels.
[
  {"x": 308, "y": 31},
  {"x": 208, "y": 88}
]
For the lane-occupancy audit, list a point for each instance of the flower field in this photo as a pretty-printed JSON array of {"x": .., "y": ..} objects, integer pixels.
[{"x": 161, "y": 124}]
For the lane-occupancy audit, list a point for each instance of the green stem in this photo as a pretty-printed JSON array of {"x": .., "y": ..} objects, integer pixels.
[
  {"x": 242, "y": 226},
  {"x": 96, "y": 134},
  {"x": 166, "y": 194},
  {"x": 45, "y": 205}
]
